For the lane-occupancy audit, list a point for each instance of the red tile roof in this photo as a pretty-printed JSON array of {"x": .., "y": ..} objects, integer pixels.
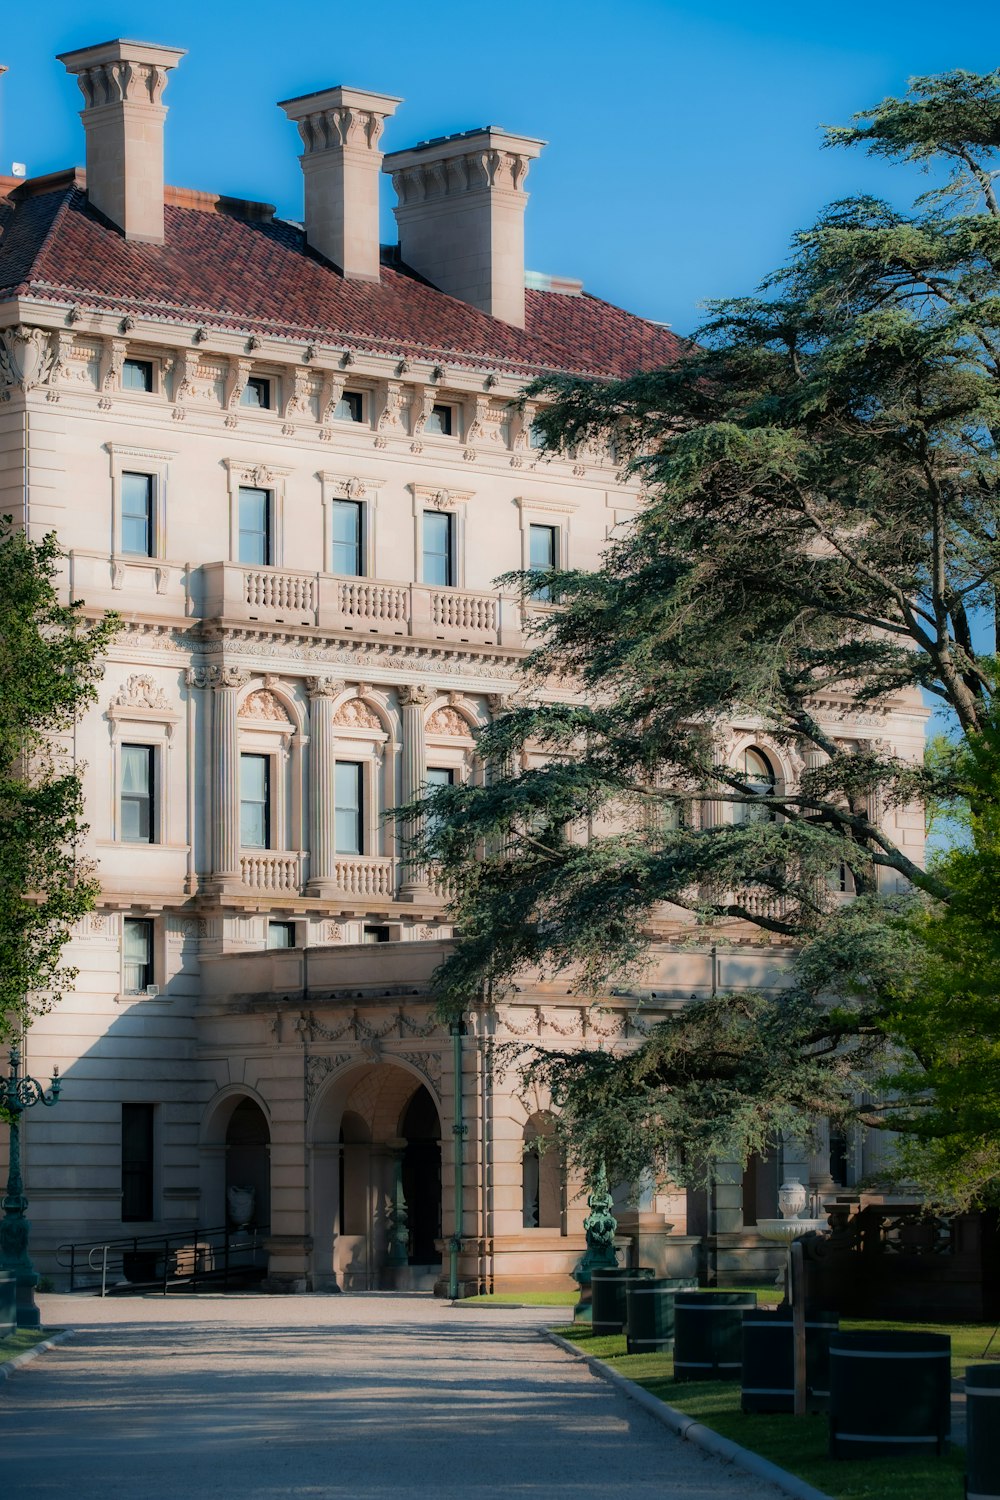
[{"x": 229, "y": 267}]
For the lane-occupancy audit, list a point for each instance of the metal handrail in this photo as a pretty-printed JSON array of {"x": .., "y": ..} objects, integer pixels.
[{"x": 72, "y": 1254}]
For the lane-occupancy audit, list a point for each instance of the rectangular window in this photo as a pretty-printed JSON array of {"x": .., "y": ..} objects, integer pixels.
[
  {"x": 536, "y": 438},
  {"x": 375, "y": 934},
  {"x": 138, "y": 808},
  {"x": 349, "y": 810},
  {"x": 438, "y": 563},
  {"x": 255, "y": 527},
  {"x": 257, "y": 393},
  {"x": 138, "y": 1161},
  {"x": 138, "y": 950},
  {"x": 137, "y": 375},
  {"x": 137, "y": 515},
  {"x": 348, "y": 524},
  {"x": 438, "y": 776},
  {"x": 440, "y": 421},
  {"x": 350, "y": 407},
  {"x": 542, "y": 553},
  {"x": 255, "y": 801},
  {"x": 281, "y": 934}
]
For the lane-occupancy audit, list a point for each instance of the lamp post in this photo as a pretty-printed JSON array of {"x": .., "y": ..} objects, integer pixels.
[{"x": 16, "y": 1095}]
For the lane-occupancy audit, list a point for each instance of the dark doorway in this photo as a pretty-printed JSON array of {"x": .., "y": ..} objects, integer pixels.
[
  {"x": 248, "y": 1159},
  {"x": 421, "y": 1130}
]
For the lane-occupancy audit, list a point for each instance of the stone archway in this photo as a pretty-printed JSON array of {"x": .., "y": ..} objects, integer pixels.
[
  {"x": 376, "y": 1181},
  {"x": 421, "y": 1178},
  {"x": 235, "y": 1151},
  {"x": 248, "y": 1166}
]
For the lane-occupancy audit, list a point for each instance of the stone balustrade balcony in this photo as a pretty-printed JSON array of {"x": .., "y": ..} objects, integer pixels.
[
  {"x": 365, "y": 606},
  {"x": 279, "y": 873}
]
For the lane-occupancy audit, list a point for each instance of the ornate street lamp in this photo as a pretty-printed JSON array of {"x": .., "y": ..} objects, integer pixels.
[{"x": 16, "y": 1095}]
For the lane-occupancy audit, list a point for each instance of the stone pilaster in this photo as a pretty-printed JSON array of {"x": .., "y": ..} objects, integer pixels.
[
  {"x": 323, "y": 691},
  {"x": 227, "y": 683},
  {"x": 414, "y": 700}
]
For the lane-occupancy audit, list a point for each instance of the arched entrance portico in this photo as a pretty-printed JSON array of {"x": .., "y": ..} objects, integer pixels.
[
  {"x": 376, "y": 1181},
  {"x": 235, "y": 1153}
]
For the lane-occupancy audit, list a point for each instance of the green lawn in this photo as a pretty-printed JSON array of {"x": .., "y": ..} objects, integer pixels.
[
  {"x": 24, "y": 1338},
  {"x": 796, "y": 1443}
]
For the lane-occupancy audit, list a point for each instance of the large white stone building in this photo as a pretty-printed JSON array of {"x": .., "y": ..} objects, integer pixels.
[{"x": 289, "y": 458}]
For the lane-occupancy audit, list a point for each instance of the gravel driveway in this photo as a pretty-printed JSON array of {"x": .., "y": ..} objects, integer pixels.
[{"x": 375, "y": 1397}]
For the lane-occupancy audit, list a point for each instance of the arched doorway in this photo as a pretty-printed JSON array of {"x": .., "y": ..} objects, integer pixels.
[
  {"x": 376, "y": 1181},
  {"x": 248, "y": 1166},
  {"x": 421, "y": 1129}
]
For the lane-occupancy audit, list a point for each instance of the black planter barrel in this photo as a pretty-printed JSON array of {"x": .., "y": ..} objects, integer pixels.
[
  {"x": 607, "y": 1293},
  {"x": 607, "y": 1286},
  {"x": 708, "y": 1334},
  {"x": 649, "y": 1308},
  {"x": 769, "y": 1359},
  {"x": 982, "y": 1442},
  {"x": 890, "y": 1393}
]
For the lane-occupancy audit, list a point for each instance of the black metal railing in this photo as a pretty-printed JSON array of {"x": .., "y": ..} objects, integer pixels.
[{"x": 184, "y": 1258}]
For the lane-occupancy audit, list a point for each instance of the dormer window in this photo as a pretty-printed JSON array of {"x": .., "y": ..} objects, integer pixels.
[
  {"x": 441, "y": 421},
  {"x": 350, "y": 407},
  {"x": 257, "y": 393},
  {"x": 137, "y": 375}
]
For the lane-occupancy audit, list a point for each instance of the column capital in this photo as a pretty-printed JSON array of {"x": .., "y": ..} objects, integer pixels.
[
  {"x": 226, "y": 677},
  {"x": 413, "y": 694},
  {"x": 325, "y": 687}
]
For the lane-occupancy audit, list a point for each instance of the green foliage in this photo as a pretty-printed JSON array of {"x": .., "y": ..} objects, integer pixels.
[
  {"x": 820, "y": 533},
  {"x": 49, "y": 667},
  {"x": 948, "y": 1016}
]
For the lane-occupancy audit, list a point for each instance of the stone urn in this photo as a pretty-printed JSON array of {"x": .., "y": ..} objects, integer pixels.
[
  {"x": 792, "y": 1198},
  {"x": 240, "y": 1201}
]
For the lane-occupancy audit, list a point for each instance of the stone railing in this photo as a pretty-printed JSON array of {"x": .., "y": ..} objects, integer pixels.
[
  {"x": 266, "y": 871},
  {"x": 371, "y": 603},
  {"x": 364, "y": 875},
  {"x": 270, "y": 590},
  {"x": 473, "y": 613},
  {"x": 373, "y": 606}
]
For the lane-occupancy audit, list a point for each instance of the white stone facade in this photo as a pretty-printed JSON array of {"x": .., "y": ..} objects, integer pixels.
[{"x": 298, "y": 1067}]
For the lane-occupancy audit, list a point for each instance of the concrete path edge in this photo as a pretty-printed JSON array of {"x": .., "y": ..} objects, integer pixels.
[
  {"x": 693, "y": 1432},
  {"x": 9, "y": 1366}
]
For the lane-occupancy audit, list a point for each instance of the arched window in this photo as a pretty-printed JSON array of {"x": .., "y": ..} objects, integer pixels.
[
  {"x": 542, "y": 1175},
  {"x": 754, "y": 768}
]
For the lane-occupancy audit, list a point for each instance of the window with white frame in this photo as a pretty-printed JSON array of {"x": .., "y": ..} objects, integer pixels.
[
  {"x": 441, "y": 420},
  {"x": 138, "y": 823},
  {"x": 138, "y": 531},
  {"x": 755, "y": 770},
  {"x": 137, "y": 955},
  {"x": 439, "y": 548},
  {"x": 255, "y": 801},
  {"x": 349, "y": 807},
  {"x": 256, "y": 545},
  {"x": 543, "y": 553},
  {"x": 350, "y": 407},
  {"x": 438, "y": 776},
  {"x": 347, "y": 521},
  {"x": 281, "y": 934},
  {"x": 257, "y": 393},
  {"x": 137, "y": 375},
  {"x": 139, "y": 495}
]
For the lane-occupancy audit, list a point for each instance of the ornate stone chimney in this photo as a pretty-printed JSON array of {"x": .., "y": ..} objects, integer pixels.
[
  {"x": 340, "y": 129},
  {"x": 461, "y": 215},
  {"x": 122, "y": 84}
]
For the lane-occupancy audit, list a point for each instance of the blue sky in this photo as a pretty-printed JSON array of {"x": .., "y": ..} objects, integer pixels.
[{"x": 684, "y": 144}]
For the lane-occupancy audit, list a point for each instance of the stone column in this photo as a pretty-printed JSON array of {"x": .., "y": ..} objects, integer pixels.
[
  {"x": 414, "y": 699},
  {"x": 322, "y": 693},
  {"x": 227, "y": 683}
]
